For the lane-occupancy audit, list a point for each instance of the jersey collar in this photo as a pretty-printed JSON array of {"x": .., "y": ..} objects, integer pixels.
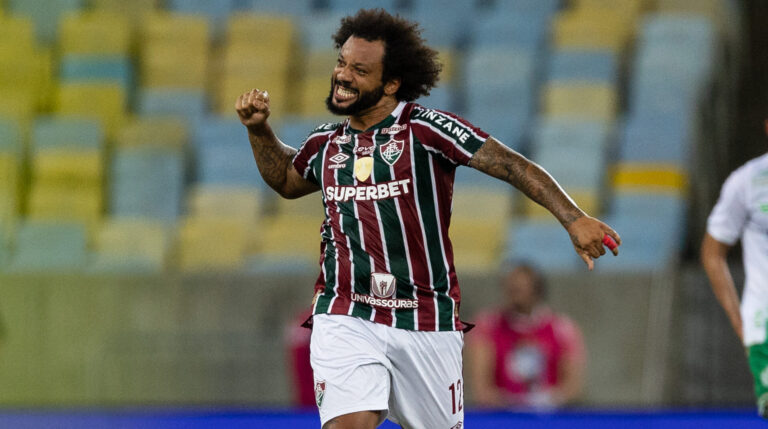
[{"x": 386, "y": 122}]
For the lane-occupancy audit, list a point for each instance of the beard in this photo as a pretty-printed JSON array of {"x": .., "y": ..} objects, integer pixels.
[{"x": 365, "y": 100}]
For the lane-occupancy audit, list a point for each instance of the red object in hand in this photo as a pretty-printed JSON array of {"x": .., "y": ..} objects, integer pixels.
[{"x": 609, "y": 242}]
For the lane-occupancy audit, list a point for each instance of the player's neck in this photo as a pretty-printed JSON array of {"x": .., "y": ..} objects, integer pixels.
[{"x": 370, "y": 117}]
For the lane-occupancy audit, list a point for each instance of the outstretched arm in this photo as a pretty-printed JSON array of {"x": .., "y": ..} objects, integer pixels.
[
  {"x": 714, "y": 259},
  {"x": 501, "y": 162},
  {"x": 273, "y": 158}
]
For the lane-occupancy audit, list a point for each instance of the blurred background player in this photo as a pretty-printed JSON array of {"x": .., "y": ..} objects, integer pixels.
[
  {"x": 523, "y": 354},
  {"x": 387, "y": 173},
  {"x": 741, "y": 212}
]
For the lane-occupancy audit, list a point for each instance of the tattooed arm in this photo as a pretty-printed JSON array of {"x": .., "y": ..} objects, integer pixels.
[
  {"x": 273, "y": 158},
  {"x": 501, "y": 162}
]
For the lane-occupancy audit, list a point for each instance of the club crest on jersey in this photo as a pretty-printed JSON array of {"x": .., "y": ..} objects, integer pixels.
[
  {"x": 338, "y": 160},
  {"x": 363, "y": 168},
  {"x": 391, "y": 150},
  {"x": 383, "y": 285},
  {"x": 319, "y": 392}
]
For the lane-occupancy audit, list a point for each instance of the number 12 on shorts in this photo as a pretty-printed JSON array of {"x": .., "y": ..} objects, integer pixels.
[{"x": 457, "y": 397}]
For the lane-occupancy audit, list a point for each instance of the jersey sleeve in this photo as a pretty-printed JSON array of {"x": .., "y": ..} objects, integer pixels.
[
  {"x": 447, "y": 134},
  {"x": 727, "y": 220},
  {"x": 309, "y": 150}
]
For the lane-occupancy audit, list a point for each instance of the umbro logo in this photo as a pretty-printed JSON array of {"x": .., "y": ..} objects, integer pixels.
[{"x": 338, "y": 160}]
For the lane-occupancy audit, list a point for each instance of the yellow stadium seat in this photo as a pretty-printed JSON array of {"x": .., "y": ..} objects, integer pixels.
[
  {"x": 477, "y": 244},
  {"x": 133, "y": 238},
  {"x": 589, "y": 101},
  {"x": 26, "y": 72},
  {"x": 632, "y": 9},
  {"x": 176, "y": 29},
  {"x": 174, "y": 66},
  {"x": 57, "y": 202},
  {"x": 470, "y": 202},
  {"x": 68, "y": 166},
  {"x": 135, "y": 10},
  {"x": 95, "y": 33},
  {"x": 18, "y": 105},
  {"x": 213, "y": 243},
  {"x": 224, "y": 201},
  {"x": 278, "y": 32},
  {"x": 292, "y": 236},
  {"x": 311, "y": 99},
  {"x": 258, "y": 61},
  {"x": 168, "y": 132},
  {"x": 449, "y": 61},
  {"x": 651, "y": 176},
  {"x": 593, "y": 29},
  {"x": 105, "y": 102},
  {"x": 309, "y": 206},
  {"x": 17, "y": 31},
  {"x": 320, "y": 64},
  {"x": 589, "y": 201},
  {"x": 10, "y": 169}
]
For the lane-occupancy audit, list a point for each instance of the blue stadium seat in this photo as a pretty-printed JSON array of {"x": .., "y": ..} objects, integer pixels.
[
  {"x": 64, "y": 131},
  {"x": 350, "y": 7},
  {"x": 282, "y": 7},
  {"x": 648, "y": 243},
  {"x": 444, "y": 22},
  {"x": 223, "y": 155},
  {"x": 317, "y": 29},
  {"x": 189, "y": 104},
  {"x": 546, "y": 245},
  {"x": 294, "y": 130},
  {"x": 10, "y": 137},
  {"x": 580, "y": 133},
  {"x": 217, "y": 11},
  {"x": 515, "y": 30},
  {"x": 468, "y": 177},
  {"x": 45, "y": 14},
  {"x": 43, "y": 246},
  {"x": 582, "y": 66},
  {"x": 627, "y": 205},
  {"x": 147, "y": 181},
  {"x": 442, "y": 98},
  {"x": 539, "y": 10},
  {"x": 656, "y": 138},
  {"x": 97, "y": 69},
  {"x": 676, "y": 29}
]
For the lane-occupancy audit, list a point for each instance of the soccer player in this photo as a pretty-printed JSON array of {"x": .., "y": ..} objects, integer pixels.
[
  {"x": 741, "y": 212},
  {"x": 522, "y": 354},
  {"x": 387, "y": 339}
]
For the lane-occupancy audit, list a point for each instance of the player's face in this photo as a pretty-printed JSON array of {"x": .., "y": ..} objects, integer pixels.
[
  {"x": 520, "y": 291},
  {"x": 356, "y": 81}
]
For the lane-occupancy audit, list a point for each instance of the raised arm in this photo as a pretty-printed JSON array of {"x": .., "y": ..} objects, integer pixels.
[
  {"x": 714, "y": 256},
  {"x": 273, "y": 158},
  {"x": 501, "y": 162}
]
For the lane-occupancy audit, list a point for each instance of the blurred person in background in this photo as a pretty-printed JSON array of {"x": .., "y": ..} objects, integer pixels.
[
  {"x": 741, "y": 213},
  {"x": 387, "y": 339},
  {"x": 299, "y": 368},
  {"x": 523, "y": 354}
]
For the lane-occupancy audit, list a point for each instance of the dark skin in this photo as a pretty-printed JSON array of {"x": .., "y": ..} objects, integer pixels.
[{"x": 360, "y": 69}]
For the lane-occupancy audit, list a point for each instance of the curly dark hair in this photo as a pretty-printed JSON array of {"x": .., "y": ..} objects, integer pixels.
[{"x": 406, "y": 55}]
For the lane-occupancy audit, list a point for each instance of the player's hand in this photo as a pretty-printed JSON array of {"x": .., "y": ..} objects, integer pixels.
[
  {"x": 587, "y": 236},
  {"x": 253, "y": 108}
]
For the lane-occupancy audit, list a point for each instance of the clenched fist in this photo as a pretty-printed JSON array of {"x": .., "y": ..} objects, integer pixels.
[{"x": 253, "y": 108}]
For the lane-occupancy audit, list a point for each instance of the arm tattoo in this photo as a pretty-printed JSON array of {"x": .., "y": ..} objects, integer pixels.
[
  {"x": 503, "y": 163},
  {"x": 273, "y": 158}
]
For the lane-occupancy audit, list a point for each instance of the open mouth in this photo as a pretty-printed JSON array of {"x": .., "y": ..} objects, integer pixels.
[{"x": 342, "y": 94}]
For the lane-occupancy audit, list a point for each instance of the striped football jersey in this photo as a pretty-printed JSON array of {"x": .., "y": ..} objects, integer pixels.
[{"x": 386, "y": 255}]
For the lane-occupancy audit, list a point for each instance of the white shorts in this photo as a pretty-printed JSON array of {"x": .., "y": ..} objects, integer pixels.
[{"x": 413, "y": 377}]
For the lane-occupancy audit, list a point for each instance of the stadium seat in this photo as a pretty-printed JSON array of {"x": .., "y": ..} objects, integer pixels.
[
  {"x": 656, "y": 138},
  {"x": 495, "y": 201},
  {"x": 572, "y": 100},
  {"x": 68, "y": 166},
  {"x": 175, "y": 51},
  {"x": 215, "y": 244},
  {"x": 296, "y": 8},
  {"x": 106, "y": 102},
  {"x": 45, "y": 14},
  {"x": 294, "y": 130},
  {"x": 130, "y": 245},
  {"x": 147, "y": 181},
  {"x": 95, "y": 33},
  {"x": 10, "y": 186},
  {"x": 352, "y": 6},
  {"x": 262, "y": 30},
  {"x": 17, "y": 31},
  {"x": 626, "y": 204},
  {"x": 49, "y": 246},
  {"x": 50, "y": 202},
  {"x": 443, "y": 21},
  {"x": 311, "y": 99},
  {"x": 25, "y": 78},
  {"x": 317, "y": 30},
  {"x": 217, "y": 12},
  {"x": 291, "y": 236},
  {"x": 593, "y": 29},
  {"x": 514, "y": 30},
  {"x": 223, "y": 154},
  {"x": 189, "y": 104},
  {"x": 470, "y": 179},
  {"x": 442, "y": 97},
  {"x": 135, "y": 10},
  {"x": 477, "y": 245},
  {"x": 648, "y": 243},
  {"x": 654, "y": 177},
  {"x": 583, "y": 67},
  {"x": 97, "y": 69},
  {"x": 154, "y": 131},
  {"x": 544, "y": 244},
  {"x": 222, "y": 201}
]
